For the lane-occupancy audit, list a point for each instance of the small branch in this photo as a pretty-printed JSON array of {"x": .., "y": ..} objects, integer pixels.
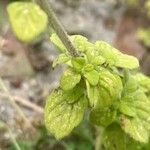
[
  {"x": 25, "y": 103},
  {"x": 58, "y": 28},
  {"x": 29, "y": 104},
  {"x": 16, "y": 107}
]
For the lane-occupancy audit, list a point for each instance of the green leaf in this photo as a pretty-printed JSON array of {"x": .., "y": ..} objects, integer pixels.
[
  {"x": 62, "y": 58},
  {"x": 57, "y": 42},
  {"x": 62, "y": 117},
  {"x": 27, "y": 20},
  {"x": 81, "y": 43},
  {"x": 126, "y": 61},
  {"x": 125, "y": 107},
  {"x": 144, "y": 81},
  {"x": 110, "y": 88},
  {"x": 69, "y": 79},
  {"x": 74, "y": 94},
  {"x": 78, "y": 63},
  {"x": 92, "y": 77},
  {"x": 114, "y": 57},
  {"x": 88, "y": 68},
  {"x": 135, "y": 107},
  {"x": 135, "y": 128},
  {"x": 94, "y": 57},
  {"x": 103, "y": 116},
  {"x": 114, "y": 138},
  {"x": 93, "y": 94}
]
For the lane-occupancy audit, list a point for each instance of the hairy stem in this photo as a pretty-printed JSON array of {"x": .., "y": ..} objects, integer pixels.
[{"x": 58, "y": 28}]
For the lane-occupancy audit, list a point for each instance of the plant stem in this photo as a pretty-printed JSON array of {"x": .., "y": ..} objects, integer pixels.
[
  {"x": 98, "y": 139},
  {"x": 58, "y": 28}
]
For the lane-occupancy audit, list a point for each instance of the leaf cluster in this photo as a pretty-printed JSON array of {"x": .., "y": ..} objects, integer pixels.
[{"x": 95, "y": 81}]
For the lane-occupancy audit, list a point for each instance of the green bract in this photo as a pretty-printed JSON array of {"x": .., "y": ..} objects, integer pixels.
[
  {"x": 61, "y": 116},
  {"x": 27, "y": 20}
]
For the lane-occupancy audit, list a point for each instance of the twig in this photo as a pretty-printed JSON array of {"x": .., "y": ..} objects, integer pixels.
[
  {"x": 25, "y": 103},
  {"x": 29, "y": 104},
  {"x": 58, "y": 28},
  {"x": 16, "y": 107}
]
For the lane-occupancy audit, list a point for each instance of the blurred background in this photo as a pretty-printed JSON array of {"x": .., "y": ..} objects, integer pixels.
[{"x": 28, "y": 76}]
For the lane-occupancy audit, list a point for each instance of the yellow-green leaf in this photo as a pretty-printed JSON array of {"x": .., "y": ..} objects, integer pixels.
[
  {"x": 69, "y": 79},
  {"x": 110, "y": 88},
  {"x": 62, "y": 117},
  {"x": 78, "y": 63},
  {"x": 114, "y": 57},
  {"x": 135, "y": 128},
  {"x": 144, "y": 81},
  {"x": 114, "y": 138},
  {"x": 102, "y": 116},
  {"x": 135, "y": 109},
  {"x": 92, "y": 93},
  {"x": 92, "y": 77},
  {"x": 27, "y": 19},
  {"x": 62, "y": 58},
  {"x": 81, "y": 43}
]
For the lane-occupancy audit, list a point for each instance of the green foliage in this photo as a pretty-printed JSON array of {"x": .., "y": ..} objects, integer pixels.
[
  {"x": 31, "y": 20},
  {"x": 69, "y": 79},
  {"x": 110, "y": 95},
  {"x": 92, "y": 77},
  {"x": 114, "y": 138},
  {"x": 103, "y": 116},
  {"x": 110, "y": 88},
  {"x": 144, "y": 82},
  {"x": 61, "y": 116},
  {"x": 135, "y": 107},
  {"x": 114, "y": 57}
]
